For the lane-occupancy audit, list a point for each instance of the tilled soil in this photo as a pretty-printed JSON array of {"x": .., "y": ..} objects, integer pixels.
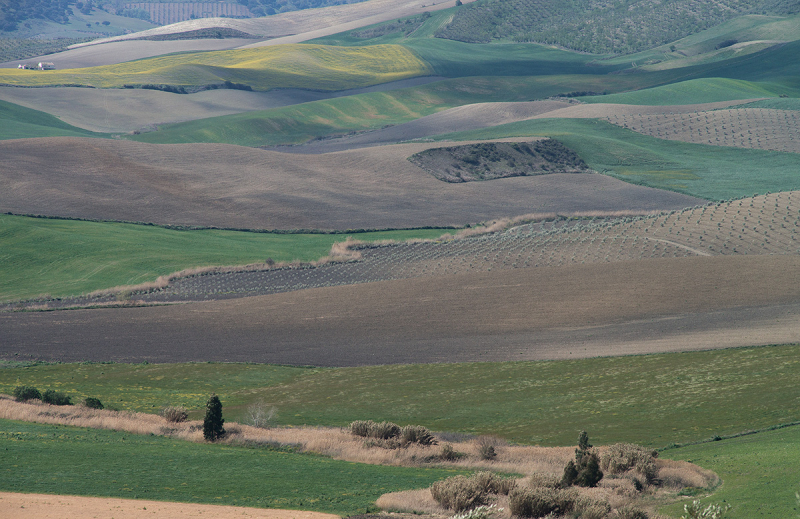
[
  {"x": 627, "y": 307},
  {"x": 375, "y": 188}
]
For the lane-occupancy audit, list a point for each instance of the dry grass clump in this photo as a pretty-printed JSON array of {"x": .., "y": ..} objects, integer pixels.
[
  {"x": 627, "y": 458},
  {"x": 460, "y": 493},
  {"x": 174, "y": 414}
]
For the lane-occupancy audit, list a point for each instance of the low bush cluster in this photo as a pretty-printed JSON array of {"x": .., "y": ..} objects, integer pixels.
[
  {"x": 460, "y": 493},
  {"x": 391, "y": 435},
  {"x": 93, "y": 403},
  {"x": 50, "y": 396}
]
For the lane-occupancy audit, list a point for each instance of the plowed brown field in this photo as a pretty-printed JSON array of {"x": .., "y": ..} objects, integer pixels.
[
  {"x": 370, "y": 188},
  {"x": 642, "y": 306}
]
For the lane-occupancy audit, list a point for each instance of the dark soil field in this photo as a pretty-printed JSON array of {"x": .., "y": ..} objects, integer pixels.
[
  {"x": 572, "y": 311},
  {"x": 371, "y": 188}
]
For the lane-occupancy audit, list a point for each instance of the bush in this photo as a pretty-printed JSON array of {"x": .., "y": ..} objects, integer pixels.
[
  {"x": 622, "y": 457},
  {"x": 175, "y": 414},
  {"x": 416, "y": 434},
  {"x": 460, "y": 493},
  {"x": 93, "y": 403},
  {"x": 544, "y": 480},
  {"x": 487, "y": 447},
  {"x": 450, "y": 454},
  {"x": 212, "y": 423},
  {"x": 631, "y": 512},
  {"x": 587, "y": 507},
  {"x": 55, "y": 398},
  {"x": 370, "y": 429},
  {"x": 261, "y": 415},
  {"x": 540, "y": 502},
  {"x": 585, "y": 470},
  {"x": 25, "y": 393},
  {"x": 696, "y": 511}
]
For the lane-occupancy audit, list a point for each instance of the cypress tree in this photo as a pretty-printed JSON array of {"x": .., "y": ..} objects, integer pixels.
[{"x": 212, "y": 423}]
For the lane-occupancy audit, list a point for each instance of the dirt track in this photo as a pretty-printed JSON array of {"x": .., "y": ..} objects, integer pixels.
[
  {"x": 547, "y": 313},
  {"x": 370, "y": 188},
  {"x": 43, "y": 506}
]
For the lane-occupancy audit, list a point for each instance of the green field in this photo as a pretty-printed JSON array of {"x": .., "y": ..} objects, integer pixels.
[
  {"x": 711, "y": 172},
  {"x": 301, "y": 123},
  {"x": 314, "y": 67},
  {"x": 655, "y": 400},
  {"x": 67, "y": 257},
  {"x": 18, "y": 122},
  {"x": 759, "y": 473},
  {"x": 67, "y": 460},
  {"x": 694, "y": 91}
]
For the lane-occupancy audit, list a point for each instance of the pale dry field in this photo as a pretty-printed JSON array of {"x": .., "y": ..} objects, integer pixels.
[
  {"x": 45, "y": 506},
  {"x": 119, "y": 52},
  {"x": 114, "y": 110},
  {"x": 298, "y": 26},
  {"x": 572, "y": 311},
  {"x": 370, "y": 188}
]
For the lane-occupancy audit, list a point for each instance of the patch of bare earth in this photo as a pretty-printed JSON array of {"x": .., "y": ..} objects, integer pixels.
[
  {"x": 599, "y": 309},
  {"x": 370, "y": 188},
  {"x": 45, "y": 506}
]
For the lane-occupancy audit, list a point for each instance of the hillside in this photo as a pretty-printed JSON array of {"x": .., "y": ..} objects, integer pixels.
[{"x": 620, "y": 28}]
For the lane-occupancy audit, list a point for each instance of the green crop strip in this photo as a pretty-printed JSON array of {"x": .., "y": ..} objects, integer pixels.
[
  {"x": 67, "y": 257},
  {"x": 654, "y": 400},
  {"x": 68, "y": 460}
]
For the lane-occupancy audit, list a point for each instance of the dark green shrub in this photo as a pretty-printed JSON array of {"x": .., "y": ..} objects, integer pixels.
[
  {"x": 93, "y": 403},
  {"x": 53, "y": 397},
  {"x": 25, "y": 393},
  {"x": 212, "y": 423}
]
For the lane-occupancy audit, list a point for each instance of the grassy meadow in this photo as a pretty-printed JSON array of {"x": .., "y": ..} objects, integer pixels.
[
  {"x": 759, "y": 473},
  {"x": 67, "y": 460},
  {"x": 314, "y": 67},
  {"x": 18, "y": 122},
  {"x": 711, "y": 172},
  {"x": 68, "y": 257},
  {"x": 654, "y": 400},
  {"x": 694, "y": 91}
]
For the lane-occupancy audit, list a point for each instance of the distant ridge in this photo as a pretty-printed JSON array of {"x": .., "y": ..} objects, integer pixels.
[{"x": 322, "y": 21}]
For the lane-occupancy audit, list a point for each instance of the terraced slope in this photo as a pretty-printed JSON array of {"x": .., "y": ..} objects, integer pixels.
[{"x": 287, "y": 66}]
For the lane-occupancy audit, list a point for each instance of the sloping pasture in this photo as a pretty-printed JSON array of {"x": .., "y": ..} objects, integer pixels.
[{"x": 286, "y": 66}]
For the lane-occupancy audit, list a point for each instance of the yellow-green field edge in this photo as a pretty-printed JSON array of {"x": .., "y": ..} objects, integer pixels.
[{"x": 60, "y": 257}]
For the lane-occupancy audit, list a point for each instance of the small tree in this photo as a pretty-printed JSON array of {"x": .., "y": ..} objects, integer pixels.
[
  {"x": 212, "y": 423},
  {"x": 585, "y": 470}
]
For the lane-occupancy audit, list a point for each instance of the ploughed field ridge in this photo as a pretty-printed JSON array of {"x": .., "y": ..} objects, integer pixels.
[{"x": 761, "y": 225}]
